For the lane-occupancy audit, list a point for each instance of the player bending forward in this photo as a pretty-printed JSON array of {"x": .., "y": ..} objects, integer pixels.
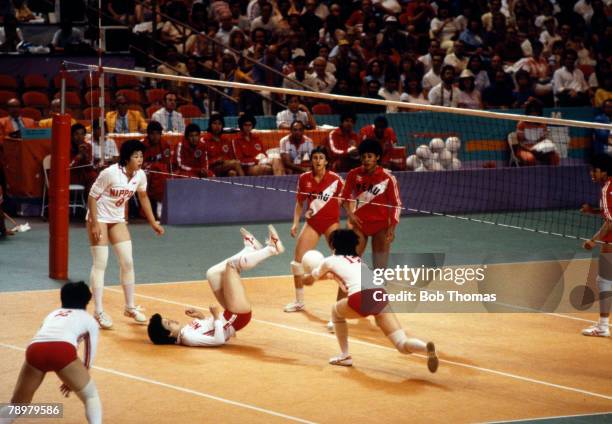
[
  {"x": 54, "y": 348},
  {"x": 224, "y": 280},
  {"x": 364, "y": 299}
]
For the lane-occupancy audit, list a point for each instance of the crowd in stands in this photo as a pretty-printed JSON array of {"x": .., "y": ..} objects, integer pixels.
[{"x": 468, "y": 54}]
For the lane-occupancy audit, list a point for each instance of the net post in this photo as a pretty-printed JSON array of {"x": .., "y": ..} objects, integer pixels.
[
  {"x": 63, "y": 75},
  {"x": 59, "y": 196},
  {"x": 101, "y": 102}
]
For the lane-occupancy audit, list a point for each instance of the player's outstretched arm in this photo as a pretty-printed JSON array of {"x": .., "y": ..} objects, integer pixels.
[
  {"x": 194, "y": 313},
  {"x": 143, "y": 198}
]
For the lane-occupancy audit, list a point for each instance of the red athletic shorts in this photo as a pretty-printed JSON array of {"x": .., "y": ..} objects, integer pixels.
[
  {"x": 50, "y": 356},
  {"x": 364, "y": 302},
  {"x": 238, "y": 321},
  {"x": 369, "y": 228},
  {"x": 321, "y": 225}
]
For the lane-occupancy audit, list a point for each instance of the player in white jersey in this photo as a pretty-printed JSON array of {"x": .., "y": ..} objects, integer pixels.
[
  {"x": 106, "y": 223},
  {"x": 54, "y": 349},
  {"x": 224, "y": 280},
  {"x": 364, "y": 299}
]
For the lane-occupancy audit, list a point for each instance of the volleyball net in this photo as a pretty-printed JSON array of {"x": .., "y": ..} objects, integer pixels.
[{"x": 461, "y": 163}]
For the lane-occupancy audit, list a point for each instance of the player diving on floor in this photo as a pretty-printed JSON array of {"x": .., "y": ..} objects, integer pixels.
[{"x": 225, "y": 282}]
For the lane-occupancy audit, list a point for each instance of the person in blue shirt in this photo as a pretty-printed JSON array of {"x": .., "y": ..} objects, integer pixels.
[{"x": 602, "y": 139}]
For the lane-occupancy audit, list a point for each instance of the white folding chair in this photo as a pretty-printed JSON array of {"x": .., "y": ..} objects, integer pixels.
[{"x": 77, "y": 191}]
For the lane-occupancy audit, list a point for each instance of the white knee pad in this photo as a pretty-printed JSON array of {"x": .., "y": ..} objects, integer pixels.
[
  {"x": 100, "y": 259},
  {"x": 603, "y": 284},
  {"x": 123, "y": 250},
  {"x": 214, "y": 274},
  {"x": 398, "y": 338},
  {"x": 88, "y": 392},
  {"x": 297, "y": 269},
  {"x": 93, "y": 406}
]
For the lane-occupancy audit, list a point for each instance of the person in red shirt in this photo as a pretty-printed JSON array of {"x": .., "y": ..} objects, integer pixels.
[
  {"x": 601, "y": 172},
  {"x": 320, "y": 189},
  {"x": 371, "y": 199},
  {"x": 81, "y": 163},
  {"x": 158, "y": 162},
  {"x": 381, "y": 132},
  {"x": 249, "y": 149},
  {"x": 218, "y": 148},
  {"x": 342, "y": 144},
  {"x": 190, "y": 154}
]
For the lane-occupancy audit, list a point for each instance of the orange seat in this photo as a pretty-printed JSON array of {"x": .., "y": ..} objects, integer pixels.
[
  {"x": 156, "y": 95},
  {"x": 71, "y": 82},
  {"x": 8, "y": 82},
  {"x": 35, "y": 82},
  {"x": 35, "y": 99},
  {"x": 72, "y": 99},
  {"x": 89, "y": 111},
  {"x": 132, "y": 96},
  {"x": 6, "y": 95},
  {"x": 30, "y": 112},
  {"x": 95, "y": 94},
  {"x": 152, "y": 109},
  {"x": 126, "y": 81},
  {"x": 322, "y": 109},
  {"x": 190, "y": 111}
]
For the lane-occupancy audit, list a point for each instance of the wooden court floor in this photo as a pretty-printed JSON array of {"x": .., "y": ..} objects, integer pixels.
[{"x": 494, "y": 366}]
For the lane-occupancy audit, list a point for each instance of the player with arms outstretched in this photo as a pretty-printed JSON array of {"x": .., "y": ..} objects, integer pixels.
[{"x": 364, "y": 299}]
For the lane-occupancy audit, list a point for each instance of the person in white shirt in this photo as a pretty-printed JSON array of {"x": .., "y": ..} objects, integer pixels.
[
  {"x": 457, "y": 58},
  {"x": 111, "y": 154},
  {"x": 426, "y": 60},
  {"x": 322, "y": 81},
  {"x": 569, "y": 86},
  {"x": 585, "y": 9},
  {"x": 225, "y": 282},
  {"x": 295, "y": 150},
  {"x": 54, "y": 349},
  {"x": 295, "y": 111},
  {"x": 432, "y": 77},
  {"x": 364, "y": 298},
  {"x": 170, "y": 119},
  {"x": 106, "y": 223},
  {"x": 390, "y": 92},
  {"x": 445, "y": 93}
]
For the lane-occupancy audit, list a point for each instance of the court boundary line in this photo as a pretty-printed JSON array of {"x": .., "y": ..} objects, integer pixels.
[
  {"x": 184, "y": 390},
  {"x": 364, "y": 343},
  {"x": 548, "y": 418}
]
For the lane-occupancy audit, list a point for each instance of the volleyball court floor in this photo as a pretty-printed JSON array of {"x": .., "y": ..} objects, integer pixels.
[{"x": 494, "y": 367}]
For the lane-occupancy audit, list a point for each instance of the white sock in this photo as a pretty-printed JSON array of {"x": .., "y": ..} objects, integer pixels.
[
  {"x": 403, "y": 344},
  {"x": 99, "y": 255},
  {"x": 341, "y": 330},
  {"x": 123, "y": 251},
  {"x": 4, "y": 411},
  {"x": 93, "y": 407},
  {"x": 604, "y": 322},
  {"x": 299, "y": 295},
  {"x": 250, "y": 260}
]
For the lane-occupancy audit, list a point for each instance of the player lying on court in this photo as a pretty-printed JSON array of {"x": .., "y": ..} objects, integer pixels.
[
  {"x": 225, "y": 282},
  {"x": 364, "y": 298},
  {"x": 54, "y": 349},
  {"x": 601, "y": 172}
]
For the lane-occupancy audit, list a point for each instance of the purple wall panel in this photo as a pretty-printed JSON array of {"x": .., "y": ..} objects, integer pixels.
[{"x": 465, "y": 191}]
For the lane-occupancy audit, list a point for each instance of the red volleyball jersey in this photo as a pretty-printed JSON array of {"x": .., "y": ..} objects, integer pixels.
[
  {"x": 376, "y": 195},
  {"x": 323, "y": 197},
  {"x": 191, "y": 158},
  {"x": 217, "y": 150},
  {"x": 246, "y": 151}
]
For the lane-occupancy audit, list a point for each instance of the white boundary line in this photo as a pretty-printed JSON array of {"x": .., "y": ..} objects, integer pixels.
[
  {"x": 360, "y": 342},
  {"x": 549, "y": 418},
  {"x": 185, "y": 390}
]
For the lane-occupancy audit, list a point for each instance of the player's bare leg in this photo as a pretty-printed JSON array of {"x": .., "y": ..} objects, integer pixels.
[
  {"x": 236, "y": 300},
  {"x": 380, "y": 249},
  {"x": 341, "y": 311},
  {"x": 99, "y": 254},
  {"x": 76, "y": 377},
  {"x": 306, "y": 240},
  {"x": 604, "y": 282},
  {"x": 391, "y": 327}
]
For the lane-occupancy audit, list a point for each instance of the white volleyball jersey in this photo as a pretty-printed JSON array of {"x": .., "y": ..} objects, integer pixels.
[
  {"x": 112, "y": 189},
  {"x": 206, "y": 332},
  {"x": 71, "y": 326},
  {"x": 353, "y": 274}
]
